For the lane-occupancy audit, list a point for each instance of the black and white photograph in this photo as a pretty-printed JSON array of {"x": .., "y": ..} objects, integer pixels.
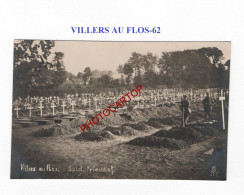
[{"x": 120, "y": 110}]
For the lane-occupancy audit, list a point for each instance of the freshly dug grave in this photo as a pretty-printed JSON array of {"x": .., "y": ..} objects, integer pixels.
[
  {"x": 205, "y": 129},
  {"x": 141, "y": 126},
  {"x": 166, "y": 120},
  {"x": 153, "y": 141},
  {"x": 154, "y": 124},
  {"x": 100, "y": 135},
  {"x": 59, "y": 129},
  {"x": 122, "y": 131},
  {"x": 189, "y": 135}
]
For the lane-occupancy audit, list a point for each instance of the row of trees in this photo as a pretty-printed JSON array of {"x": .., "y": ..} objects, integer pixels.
[
  {"x": 202, "y": 68},
  {"x": 38, "y": 72}
]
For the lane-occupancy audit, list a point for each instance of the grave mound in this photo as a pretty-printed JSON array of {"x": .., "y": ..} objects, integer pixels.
[
  {"x": 189, "y": 135},
  {"x": 122, "y": 131},
  {"x": 166, "y": 120},
  {"x": 56, "y": 130},
  {"x": 205, "y": 129},
  {"x": 153, "y": 141},
  {"x": 154, "y": 124},
  {"x": 100, "y": 135},
  {"x": 141, "y": 126}
]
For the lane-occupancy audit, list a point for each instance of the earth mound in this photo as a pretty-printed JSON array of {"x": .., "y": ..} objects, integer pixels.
[
  {"x": 141, "y": 126},
  {"x": 166, "y": 120},
  {"x": 99, "y": 135},
  {"x": 154, "y": 124},
  {"x": 189, "y": 135},
  {"x": 59, "y": 129},
  {"x": 122, "y": 131},
  {"x": 153, "y": 141}
]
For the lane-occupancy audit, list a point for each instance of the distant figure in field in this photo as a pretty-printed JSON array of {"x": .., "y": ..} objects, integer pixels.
[
  {"x": 184, "y": 106},
  {"x": 207, "y": 106}
]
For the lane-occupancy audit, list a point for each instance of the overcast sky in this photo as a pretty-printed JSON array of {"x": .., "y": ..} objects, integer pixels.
[{"x": 108, "y": 55}]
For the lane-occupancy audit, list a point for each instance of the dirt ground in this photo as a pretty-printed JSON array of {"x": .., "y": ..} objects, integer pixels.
[{"x": 64, "y": 156}]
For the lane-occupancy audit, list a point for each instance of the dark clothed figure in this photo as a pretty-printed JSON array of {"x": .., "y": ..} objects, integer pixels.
[
  {"x": 184, "y": 106},
  {"x": 207, "y": 107}
]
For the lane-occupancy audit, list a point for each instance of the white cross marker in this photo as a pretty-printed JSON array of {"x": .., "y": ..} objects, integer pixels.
[
  {"x": 89, "y": 101},
  {"x": 29, "y": 108},
  {"x": 25, "y": 105},
  {"x": 95, "y": 99},
  {"x": 41, "y": 107},
  {"x": 222, "y": 98},
  {"x": 63, "y": 105},
  {"x": 57, "y": 101},
  {"x": 17, "y": 110},
  {"x": 53, "y": 106},
  {"x": 73, "y": 104}
]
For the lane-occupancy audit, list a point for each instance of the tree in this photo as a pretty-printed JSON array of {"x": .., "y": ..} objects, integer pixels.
[
  {"x": 149, "y": 61},
  {"x": 58, "y": 61},
  {"x": 79, "y": 75},
  {"x": 105, "y": 80},
  {"x": 187, "y": 69},
  {"x": 135, "y": 61},
  {"x": 128, "y": 70},
  {"x": 29, "y": 50},
  {"x": 87, "y": 75},
  {"x": 120, "y": 70},
  {"x": 33, "y": 72}
]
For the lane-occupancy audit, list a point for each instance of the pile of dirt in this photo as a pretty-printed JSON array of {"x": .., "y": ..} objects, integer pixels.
[
  {"x": 153, "y": 141},
  {"x": 59, "y": 129},
  {"x": 100, "y": 135},
  {"x": 189, "y": 135},
  {"x": 167, "y": 120},
  {"x": 141, "y": 126},
  {"x": 122, "y": 131},
  {"x": 205, "y": 129},
  {"x": 154, "y": 124}
]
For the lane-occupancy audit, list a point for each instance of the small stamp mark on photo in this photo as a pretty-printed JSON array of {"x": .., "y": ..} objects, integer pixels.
[{"x": 214, "y": 172}]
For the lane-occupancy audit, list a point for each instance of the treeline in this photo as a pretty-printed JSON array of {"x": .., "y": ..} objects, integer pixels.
[
  {"x": 202, "y": 68},
  {"x": 36, "y": 74}
]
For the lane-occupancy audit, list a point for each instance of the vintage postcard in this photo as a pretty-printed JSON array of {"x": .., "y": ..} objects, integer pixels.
[{"x": 120, "y": 110}]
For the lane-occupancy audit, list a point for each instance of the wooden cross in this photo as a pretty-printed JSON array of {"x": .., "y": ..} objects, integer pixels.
[
  {"x": 89, "y": 101},
  {"x": 41, "y": 107},
  {"x": 57, "y": 101},
  {"x": 73, "y": 104},
  {"x": 63, "y": 105},
  {"x": 53, "y": 106},
  {"x": 29, "y": 108},
  {"x": 17, "y": 110},
  {"x": 25, "y": 105},
  {"x": 20, "y": 99},
  {"x": 222, "y": 98},
  {"x": 95, "y": 100}
]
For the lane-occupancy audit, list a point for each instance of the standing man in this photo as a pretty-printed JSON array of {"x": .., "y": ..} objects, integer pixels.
[
  {"x": 184, "y": 106},
  {"x": 207, "y": 106}
]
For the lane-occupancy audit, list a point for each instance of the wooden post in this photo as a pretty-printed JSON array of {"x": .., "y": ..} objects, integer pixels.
[
  {"x": 17, "y": 110},
  {"x": 183, "y": 113},
  {"x": 29, "y": 108},
  {"x": 222, "y": 98},
  {"x": 63, "y": 105},
  {"x": 41, "y": 108},
  {"x": 25, "y": 105},
  {"x": 73, "y": 104},
  {"x": 95, "y": 99},
  {"x": 53, "y": 106}
]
